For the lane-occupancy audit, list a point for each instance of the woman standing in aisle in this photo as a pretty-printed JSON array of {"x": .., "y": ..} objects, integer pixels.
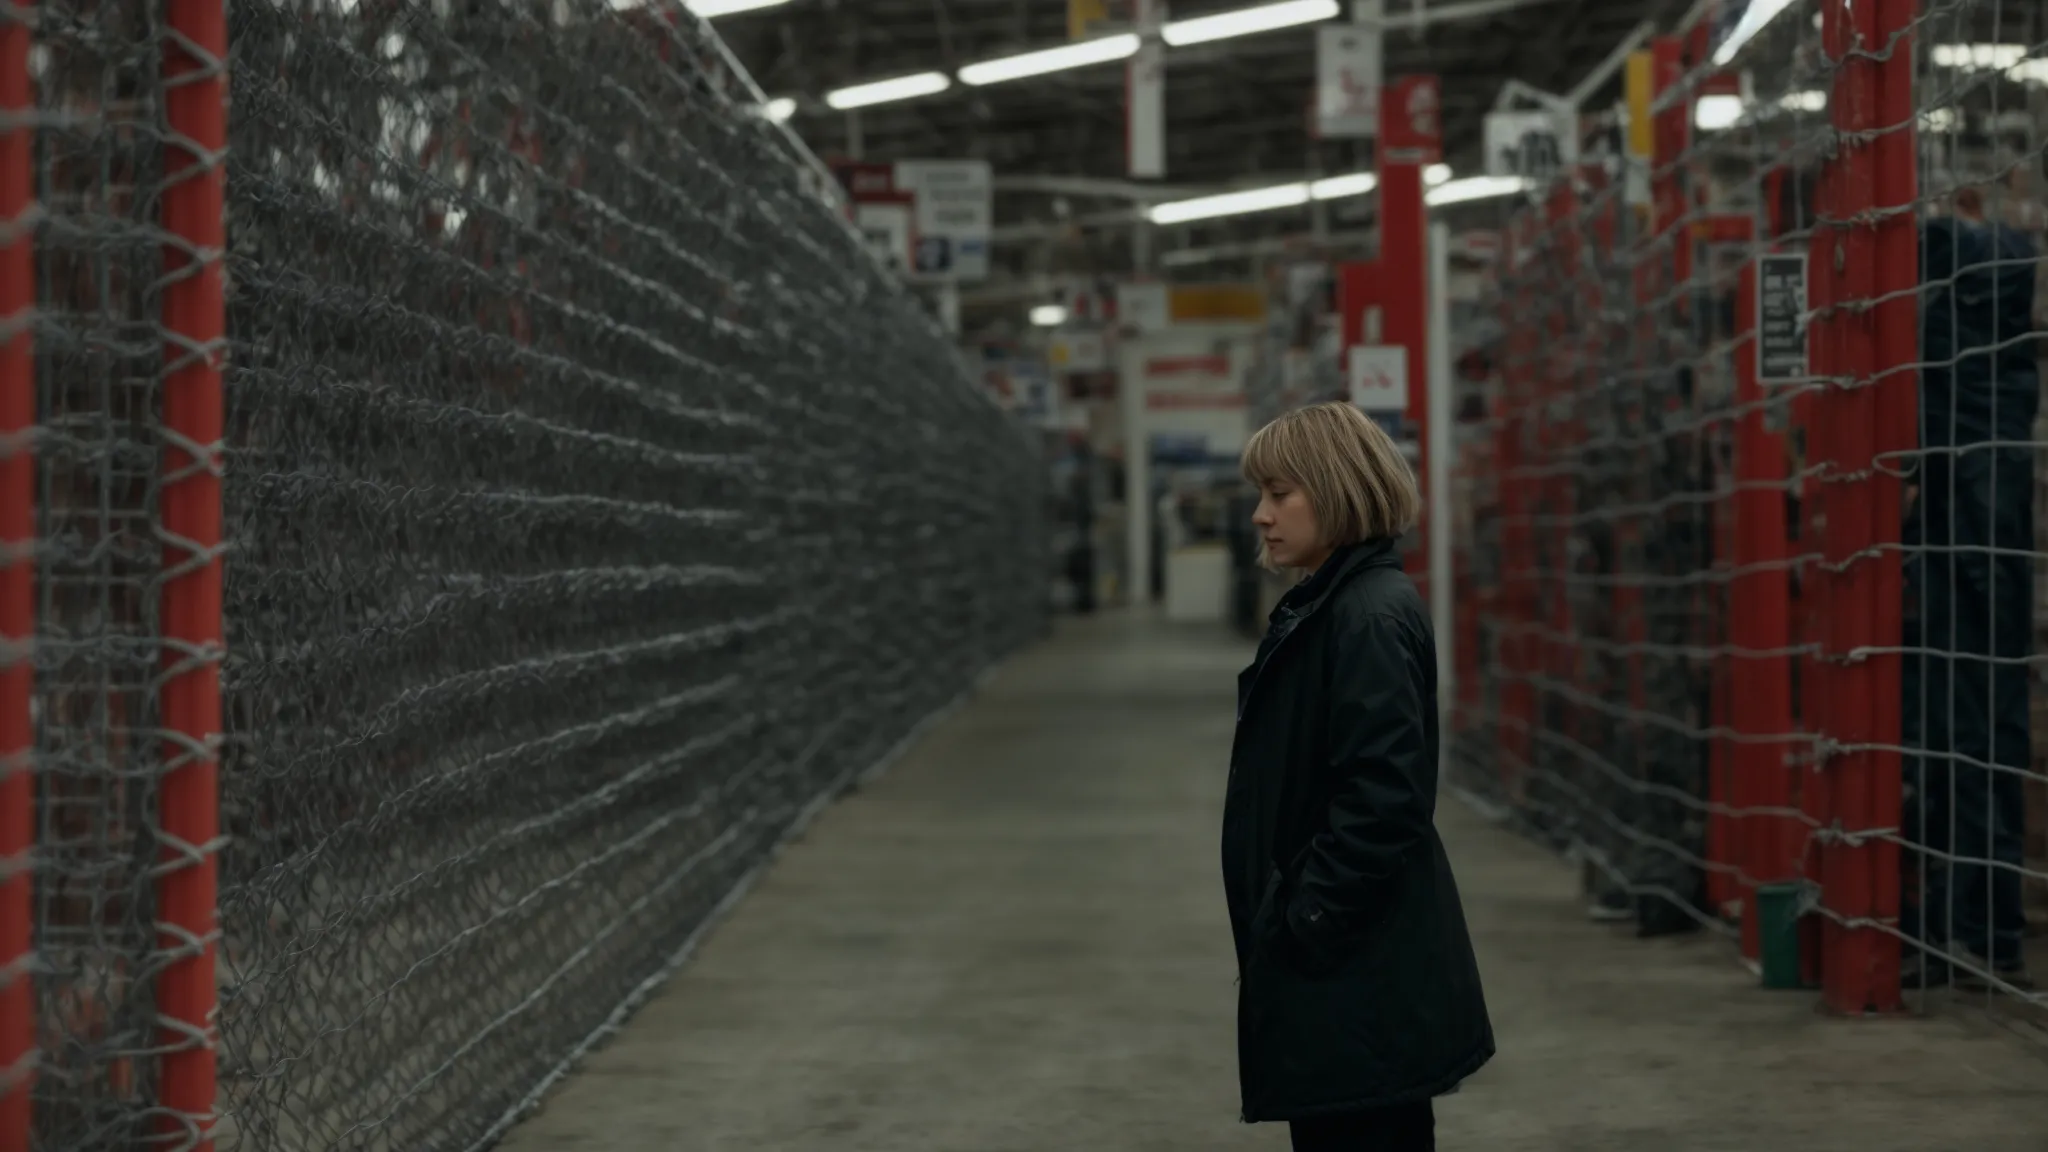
[{"x": 1359, "y": 998}]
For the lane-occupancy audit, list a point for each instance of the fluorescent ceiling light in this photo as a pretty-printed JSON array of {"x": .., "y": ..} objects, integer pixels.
[
  {"x": 1811, "y": 100},
  {"x": 1475, "y": 188},
  {"x": 883, "y": 91},
  {"x": 780, "y": 108},
  {"x": 1754, "y": 17},
  {"x": 1049, "y": 315},
  {"x": 1714, "y": 113},
  {"x": 712, "y": 9},
  {"x": 1999, "y": 56},
  {"x": 1332, "y": 187},
  {"x": 1230, "y": 204},
  {"x": 1246, "y": 21},
  {"x": 2011, "y": 59},
  {"x": 1283, "y": 196},
  {"x": 1077, "y": 55}
]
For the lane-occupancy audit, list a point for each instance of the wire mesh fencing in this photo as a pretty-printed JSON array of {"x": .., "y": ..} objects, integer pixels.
[
  {"x": 591, "y": 507},
  {"x": 1754, "y": 547}
]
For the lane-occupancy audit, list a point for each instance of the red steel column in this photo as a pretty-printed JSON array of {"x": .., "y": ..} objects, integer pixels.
[
  {"x": 17, "y": 576},
  {"x": 1856, "y": 949},
  {"x": 1410, "y": 138},
  {"x": 1819, "y": 585},
  {"x": 194, "y": 320},
  {"x": 1895, "y": 155}
]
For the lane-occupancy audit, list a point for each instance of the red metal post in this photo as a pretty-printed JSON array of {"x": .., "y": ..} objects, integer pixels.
[
  {"x": 1404, "y": 308},
  {"x": 1895, "y": 155},
  {"x": 194, "y": 320},
  {"x": 1671, "y": 136},
  {"x": 1854, "y": 946},
  {"x": 17, "y": 576},
  {"x": 1410, "y": 139},
  {"x": 1819, "y": 589}
]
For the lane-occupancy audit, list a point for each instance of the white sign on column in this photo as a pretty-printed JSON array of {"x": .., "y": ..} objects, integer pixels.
[
  {"x": 1143, "y": 306},
  {"x": 886, "y": 228},
  {"x": 955, "y": 213},
  {"x": 1349, "y": 75},
  {"x": 1379, "y": 377},
  {"x": 1145, "y": 94}
]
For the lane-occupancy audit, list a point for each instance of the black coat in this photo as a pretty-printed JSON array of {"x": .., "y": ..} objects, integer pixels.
[{"x": 1358, "y": 987}]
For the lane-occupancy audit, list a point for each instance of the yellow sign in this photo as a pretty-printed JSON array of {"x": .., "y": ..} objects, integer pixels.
[
  {"x": 1211, "y": 303},
  {"x": 1641, "y": 87},
  {"x": 1085, "y": 16}
]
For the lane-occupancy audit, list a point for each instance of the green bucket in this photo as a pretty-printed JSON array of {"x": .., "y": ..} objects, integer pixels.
[{"x": 1778, "y": 910}]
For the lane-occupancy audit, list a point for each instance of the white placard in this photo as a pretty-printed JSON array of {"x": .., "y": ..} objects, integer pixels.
[
  {"x": 1532, "y": 144},
  {"x": 1143, "y": 306},
  {"x": 886, "y": 228},
  {"x": 1079, "y": 351},
  {"x": 1348, "y": 79},
  {"x": 955, "y": 211},
  {"x": 1379, "y": 377}
]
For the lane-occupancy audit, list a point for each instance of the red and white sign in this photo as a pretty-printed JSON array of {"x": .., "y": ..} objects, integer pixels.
[
  {"x": 1379, "y": 377},
  {"x": 1348, "y": 79},
  {"x": 1411, "y": 121},
  {"x": 1179, "y": 383}
]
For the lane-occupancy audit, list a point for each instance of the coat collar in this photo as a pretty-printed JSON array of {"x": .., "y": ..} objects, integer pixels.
[{"x": 1304, "y": 598}]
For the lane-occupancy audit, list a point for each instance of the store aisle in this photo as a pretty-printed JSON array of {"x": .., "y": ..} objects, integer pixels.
[{"x": 1014, "y": 942}]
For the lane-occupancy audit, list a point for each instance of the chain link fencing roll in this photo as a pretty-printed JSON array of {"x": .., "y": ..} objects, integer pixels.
[
  {"x": 1761, "y": 633},
  {"x": 595, "y": 507}
]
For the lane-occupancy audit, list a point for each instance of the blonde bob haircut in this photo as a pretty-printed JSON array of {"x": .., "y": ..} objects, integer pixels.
[{"x": 1357, "y": 482}]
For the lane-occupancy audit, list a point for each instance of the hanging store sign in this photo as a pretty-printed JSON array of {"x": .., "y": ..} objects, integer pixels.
[
  {"x": 1348, "y": 79},
  {"x": 1379, "y": 377},
  {"x": 1189, "y": 381},
  {"x": 955, "y": 202},
  {"x": 1532, "y": 144},
  {"x": 1781, "y": 318},
  {"x": 1143, "y": 306},
  {"x": 1215, "y": 304}
]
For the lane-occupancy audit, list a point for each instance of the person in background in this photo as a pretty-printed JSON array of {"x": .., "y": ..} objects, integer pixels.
[
  {"x": 1970, "y": 597},
  {"x": 1359, "y": 999}
]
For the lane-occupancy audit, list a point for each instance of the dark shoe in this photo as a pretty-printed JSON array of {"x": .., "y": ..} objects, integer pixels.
[{"x": 1660, "y": 916}]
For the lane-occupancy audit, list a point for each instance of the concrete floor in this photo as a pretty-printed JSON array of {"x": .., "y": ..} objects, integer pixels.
[{"x": 1014, "y": 942}]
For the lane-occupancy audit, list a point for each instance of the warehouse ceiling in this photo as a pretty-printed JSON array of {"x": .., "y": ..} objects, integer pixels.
[{"x": 1237, "y": 109}]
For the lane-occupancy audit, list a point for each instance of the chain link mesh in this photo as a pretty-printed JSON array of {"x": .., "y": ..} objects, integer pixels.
[
  {"x": 594, "y": 505},
  {"x": 98, "y": 349},
  {"x": 1751, "y": 617}
]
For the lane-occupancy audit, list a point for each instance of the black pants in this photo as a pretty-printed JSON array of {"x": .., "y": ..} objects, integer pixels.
[
  {"x": 1400, "y": 1128},
  {"x": 1966, "y": 700}
]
